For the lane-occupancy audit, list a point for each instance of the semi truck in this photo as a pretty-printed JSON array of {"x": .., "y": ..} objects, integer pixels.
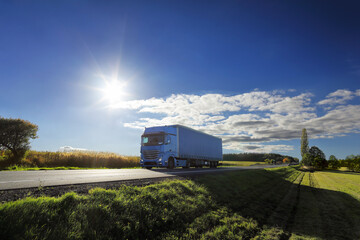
[{"x": 179, "y": 146}]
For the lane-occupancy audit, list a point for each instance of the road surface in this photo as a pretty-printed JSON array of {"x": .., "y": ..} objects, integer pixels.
[{"x": 45, "y": 178}]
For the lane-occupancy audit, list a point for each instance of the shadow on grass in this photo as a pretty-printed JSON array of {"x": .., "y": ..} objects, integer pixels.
[
  {"x": 343, "y": 172},
  {"x": 275, "y": 202}
]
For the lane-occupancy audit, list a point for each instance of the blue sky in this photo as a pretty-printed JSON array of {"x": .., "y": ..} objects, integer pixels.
[{"x": 252, "y": 72}]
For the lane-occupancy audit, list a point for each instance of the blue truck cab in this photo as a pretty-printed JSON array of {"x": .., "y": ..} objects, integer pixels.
[{"x": 179, "y": 146}]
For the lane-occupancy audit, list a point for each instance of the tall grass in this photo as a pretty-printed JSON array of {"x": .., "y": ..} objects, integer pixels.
[
  {"x": 169, "y": 210},
  {"x": 78, "y": 159}
]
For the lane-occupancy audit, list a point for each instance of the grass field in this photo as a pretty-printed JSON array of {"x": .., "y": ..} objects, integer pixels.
[
  {"x": 239, "y": 163},
  {"x": 280, "y": 203}
]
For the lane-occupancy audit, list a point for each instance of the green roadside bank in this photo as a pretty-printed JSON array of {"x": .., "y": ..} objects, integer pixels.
[{"x": 277, "y": 203}]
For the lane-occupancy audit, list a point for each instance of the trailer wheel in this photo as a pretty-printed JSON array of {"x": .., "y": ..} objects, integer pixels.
[
  {"x": 171, "y": 163},
  {"x": 213, "y": 164}
]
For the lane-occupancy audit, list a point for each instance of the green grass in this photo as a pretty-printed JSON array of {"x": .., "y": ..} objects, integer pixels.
[
  {"x": 329, "y": 205},
  {"x": 278, "y": 203},
  {"x": 240, "y": 163}
]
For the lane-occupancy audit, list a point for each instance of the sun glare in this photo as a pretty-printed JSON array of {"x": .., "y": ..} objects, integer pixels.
[{"x": 114, "y": 90}]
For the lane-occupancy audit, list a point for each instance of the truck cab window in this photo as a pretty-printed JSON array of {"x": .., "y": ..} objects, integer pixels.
[
  {"x": 145, "y": 140},
  {"x": 153, "y": 140}
]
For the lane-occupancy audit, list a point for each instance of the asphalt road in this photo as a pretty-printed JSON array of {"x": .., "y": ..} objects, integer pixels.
[{"x": 45, "y": 178}]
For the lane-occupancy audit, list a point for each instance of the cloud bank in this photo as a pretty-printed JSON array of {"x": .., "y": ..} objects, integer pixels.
[{"x": 252, "y": 121}]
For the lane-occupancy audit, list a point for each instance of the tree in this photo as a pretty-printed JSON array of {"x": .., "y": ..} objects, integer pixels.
[
  {"x": 307, "y": 160},
  {"x": 316, "y": 152},
  {"x": 318, "y": 158},
  {"x": 304, "y": 142},
  {"x": 286, "y": 160},
  {"x": 320, "y": 163},
  {"x": 334, "y": 164},
  {"x": 15, "y": 135},
  {"x": 332, "y": 158}
]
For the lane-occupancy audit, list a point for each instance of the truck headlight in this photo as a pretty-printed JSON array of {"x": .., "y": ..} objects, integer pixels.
[{"x": 160, "y": 159}]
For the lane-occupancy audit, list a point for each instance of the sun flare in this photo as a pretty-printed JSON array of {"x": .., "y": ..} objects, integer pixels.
[{"x": 114, "y": 91}]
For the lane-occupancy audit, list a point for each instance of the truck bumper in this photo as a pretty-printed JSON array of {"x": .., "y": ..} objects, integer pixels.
[{"x": 151, "y": 163}]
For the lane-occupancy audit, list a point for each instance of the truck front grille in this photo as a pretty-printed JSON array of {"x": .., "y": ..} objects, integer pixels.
[
  {"x": 151, "y": 154},
  {"x": 150, "y": 163}
]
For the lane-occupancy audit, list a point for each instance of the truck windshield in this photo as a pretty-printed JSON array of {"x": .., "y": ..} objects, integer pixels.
[{"x": 152, "y": 140}]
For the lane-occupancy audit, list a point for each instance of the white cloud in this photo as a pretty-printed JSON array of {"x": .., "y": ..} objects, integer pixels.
[
  {"x": 259, "y": 148},
  {"x": 247, "y": 121},
  {"x": 340, "y": 96}
]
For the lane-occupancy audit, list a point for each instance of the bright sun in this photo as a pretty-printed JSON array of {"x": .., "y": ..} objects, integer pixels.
[{"x": 114, "y": 91}]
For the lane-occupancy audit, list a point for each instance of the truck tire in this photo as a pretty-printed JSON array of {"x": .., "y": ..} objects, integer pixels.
[
  {"x": 213, "y": 164},
  {"x": 171, "y": 163}
]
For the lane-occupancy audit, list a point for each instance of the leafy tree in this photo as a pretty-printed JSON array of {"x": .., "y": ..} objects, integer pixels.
[
  {"x": 286, "y": 160},
  {"x": 350, "y": 157},
  {"x": 320, "y": 163},
  {"x": 307, "y": 160},
  {"x": 15, "y": 135},
  {"x": 334, "y": 164},
  {"x": 258, "y": 157},
  {"x": 352, "y": 162},
  {"x": 304, "y": 143},
  {"x": 356, "y": 161},
  {"x": 318, "y": 158},
  {"x": 316, "y": 152}
]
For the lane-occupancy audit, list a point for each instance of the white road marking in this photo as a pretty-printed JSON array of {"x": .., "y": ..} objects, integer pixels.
[{"x": 19, "y": 181}]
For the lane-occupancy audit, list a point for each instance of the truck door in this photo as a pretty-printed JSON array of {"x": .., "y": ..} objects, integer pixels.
[{"x": 170, "y": 144}]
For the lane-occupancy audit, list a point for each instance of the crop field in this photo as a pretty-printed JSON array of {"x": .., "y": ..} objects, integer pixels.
[
  {"x": 278, "y": 203},
  {"x": 74, "y": 160},
  {"x": 239, "y": 163}
]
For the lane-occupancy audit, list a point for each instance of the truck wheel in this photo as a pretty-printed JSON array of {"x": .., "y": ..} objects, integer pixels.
[{"x": 171, "y": 163}]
